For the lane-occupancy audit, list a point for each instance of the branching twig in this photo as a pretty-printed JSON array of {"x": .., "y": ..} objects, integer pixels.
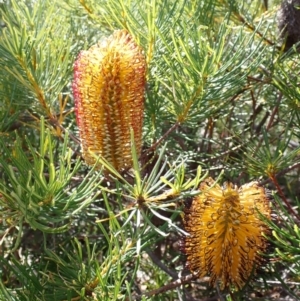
[
  {"x": 167, "y": 287},
  {"x": 156, "y": 261},
  {"x": 291, "y": 210}
]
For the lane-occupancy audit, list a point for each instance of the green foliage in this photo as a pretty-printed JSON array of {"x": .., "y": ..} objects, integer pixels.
[
  {"x": 35, "y": 192},
  {"x": 222, "y": 99}
]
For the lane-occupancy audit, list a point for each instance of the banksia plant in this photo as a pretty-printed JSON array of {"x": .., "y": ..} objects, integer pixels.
[
  {"x": 221, "y": 98},
  {"x": 226, "y": 232},
  {"x": 108, "y": 87}
]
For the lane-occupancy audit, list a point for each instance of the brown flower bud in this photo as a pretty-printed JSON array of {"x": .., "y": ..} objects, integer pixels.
[
  {"x": 108, "y": 87},
  {"x": 289, "y": 22},
  {"x": 225, "y": 232}
]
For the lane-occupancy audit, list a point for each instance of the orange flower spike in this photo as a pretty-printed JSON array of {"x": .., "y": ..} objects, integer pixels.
[
  {"x": 108, "y": 87},
  {"x": 225, "y": 232}
]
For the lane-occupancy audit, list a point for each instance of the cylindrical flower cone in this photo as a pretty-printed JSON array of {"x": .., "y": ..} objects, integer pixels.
[
  {"x": 108, "y": 87},
  {"x": 226, "y": 239}
]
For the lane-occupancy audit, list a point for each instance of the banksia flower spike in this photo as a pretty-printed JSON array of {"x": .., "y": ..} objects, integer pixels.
[
  {"x": 108, "y": 87},
  {"x": 225, "y": 232}
]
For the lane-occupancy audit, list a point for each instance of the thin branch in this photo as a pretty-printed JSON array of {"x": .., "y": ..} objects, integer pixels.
[
  {"x": 163, "y": 267},
  {"x": 160, "y": 140},
  {"x": 274, "y": 112},
  {"x": 55, "y": 122},
  {"x": 291, "y": 210},
  {"x": 281, "y": 173},
  {"x": 167, "y": 287}
]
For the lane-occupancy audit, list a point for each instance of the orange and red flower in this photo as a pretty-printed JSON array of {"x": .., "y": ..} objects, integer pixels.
[{"x": 108, "y": 88}]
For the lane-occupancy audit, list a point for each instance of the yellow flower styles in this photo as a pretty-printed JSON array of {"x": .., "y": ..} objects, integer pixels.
[{"x": 225, "y": 232}]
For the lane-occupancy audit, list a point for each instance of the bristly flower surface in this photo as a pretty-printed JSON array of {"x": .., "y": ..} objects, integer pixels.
[
  {"x": 108, "y": 87},
  {"x": 225, "y": 232}
]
